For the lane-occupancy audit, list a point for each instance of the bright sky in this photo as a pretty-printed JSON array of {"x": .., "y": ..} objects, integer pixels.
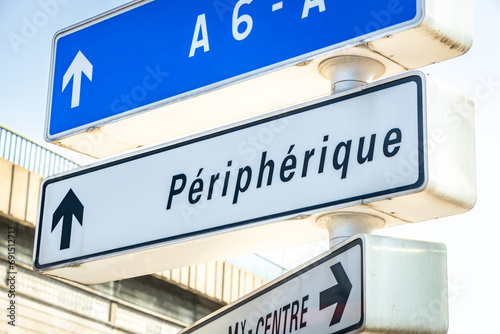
[{"x": 470, "y": 238}]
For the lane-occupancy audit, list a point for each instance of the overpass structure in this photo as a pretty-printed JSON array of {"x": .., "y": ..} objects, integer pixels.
[{"x": 162, "y": 303}]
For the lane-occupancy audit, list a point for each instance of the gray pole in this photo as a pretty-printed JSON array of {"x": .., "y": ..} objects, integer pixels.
[{"x": 349, "y": 72}]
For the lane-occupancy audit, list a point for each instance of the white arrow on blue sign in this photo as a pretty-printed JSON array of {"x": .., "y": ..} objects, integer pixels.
[
  {"x": 192, "y": 47},
  {"x": 79, "y": 66}
]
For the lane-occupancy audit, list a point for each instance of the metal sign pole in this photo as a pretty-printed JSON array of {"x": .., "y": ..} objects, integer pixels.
[
  {"x": 343, "y": 225},
  {"x": 349, "y": 72}
]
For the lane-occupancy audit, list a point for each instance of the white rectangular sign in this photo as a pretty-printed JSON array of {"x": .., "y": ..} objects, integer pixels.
[
  {"x": 326, "y": 296},
  {"x": 224, "y": 193},
  {"x": 367, "y": 284}
]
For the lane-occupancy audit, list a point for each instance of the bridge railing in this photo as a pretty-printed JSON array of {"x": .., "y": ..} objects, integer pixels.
[{"x": 30, "y": 155}]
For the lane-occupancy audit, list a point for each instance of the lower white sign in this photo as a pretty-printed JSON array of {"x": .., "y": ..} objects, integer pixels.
[
  {"x": 323, "y": 297},
  {"x": 367, "y": 284}
]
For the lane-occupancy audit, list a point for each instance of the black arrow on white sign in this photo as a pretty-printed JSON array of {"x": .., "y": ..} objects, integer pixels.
[
  {"x": 337, "y": 294},
  {"x": 69, "y": 207}
]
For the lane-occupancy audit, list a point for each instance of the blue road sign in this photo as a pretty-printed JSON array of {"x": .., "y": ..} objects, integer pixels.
[{"x": 152, "y": 53}]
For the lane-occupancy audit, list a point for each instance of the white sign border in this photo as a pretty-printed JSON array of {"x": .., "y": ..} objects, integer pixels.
[{"x": 417, "y": 77}]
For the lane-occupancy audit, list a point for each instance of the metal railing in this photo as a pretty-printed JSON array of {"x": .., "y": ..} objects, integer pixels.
[{"x": 30, "y": 155}]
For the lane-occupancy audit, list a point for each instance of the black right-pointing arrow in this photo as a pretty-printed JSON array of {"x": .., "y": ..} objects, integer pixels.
[
  {"x": 69, "y": 207},
  {"x": 337, "y": 294}
]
